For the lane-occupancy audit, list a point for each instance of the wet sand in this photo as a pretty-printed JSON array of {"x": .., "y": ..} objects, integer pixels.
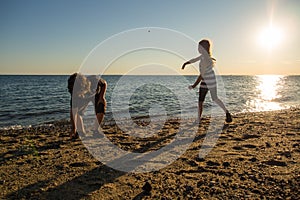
[{"x": 256, "y": 157}]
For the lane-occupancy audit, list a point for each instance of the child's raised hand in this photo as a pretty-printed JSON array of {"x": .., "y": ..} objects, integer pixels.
[{"x": 191, "y": 87}]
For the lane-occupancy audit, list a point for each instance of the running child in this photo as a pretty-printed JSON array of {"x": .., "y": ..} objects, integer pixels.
[{"x": 206, "y": 78}]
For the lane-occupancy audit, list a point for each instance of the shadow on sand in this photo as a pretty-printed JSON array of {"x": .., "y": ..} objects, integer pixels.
[
  {"x": 83, "y": 185},
  {"x": 77, "y": 188}
]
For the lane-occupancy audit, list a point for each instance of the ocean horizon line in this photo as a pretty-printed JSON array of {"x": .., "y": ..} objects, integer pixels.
[{"x": 151, "y": 74}]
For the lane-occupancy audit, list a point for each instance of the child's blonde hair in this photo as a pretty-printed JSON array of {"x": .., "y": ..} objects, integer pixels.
[
  {"x": 81, "y": 85},
  {"x": 206, "y": 44}
]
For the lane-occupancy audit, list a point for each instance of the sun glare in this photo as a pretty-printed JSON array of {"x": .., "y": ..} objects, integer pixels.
[
  {"x": 270, "y": 37},
  {"x": 268, "y": 89},
  {"x": 267, "y": 94}
]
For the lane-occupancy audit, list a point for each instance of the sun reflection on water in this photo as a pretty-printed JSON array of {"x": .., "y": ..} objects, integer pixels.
[{"x": 267, "y": 92}]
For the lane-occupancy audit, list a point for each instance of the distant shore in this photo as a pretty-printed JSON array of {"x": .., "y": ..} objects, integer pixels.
[{"x": 257, "y": 156}]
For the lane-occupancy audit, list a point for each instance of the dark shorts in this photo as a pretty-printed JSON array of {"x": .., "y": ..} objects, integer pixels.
[
  {"x": 203, "y": 91},
  {"x": 100, "y": 108}
]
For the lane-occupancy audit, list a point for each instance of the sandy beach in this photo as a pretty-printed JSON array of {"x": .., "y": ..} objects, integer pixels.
[{"x": 256, "y": 157}]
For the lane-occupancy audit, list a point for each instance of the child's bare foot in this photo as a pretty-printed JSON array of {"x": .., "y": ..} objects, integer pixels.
[
  {"x": 74, "y": 135},
  {"x": 228, "y": 117}
]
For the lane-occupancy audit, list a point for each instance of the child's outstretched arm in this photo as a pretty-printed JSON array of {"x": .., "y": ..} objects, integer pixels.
[{"x": 190, "y": 61}]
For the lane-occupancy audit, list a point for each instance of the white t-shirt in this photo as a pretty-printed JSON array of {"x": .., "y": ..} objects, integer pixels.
[
  {"x": 205, "y": 62},
  {"x": 206, "y": 70}
]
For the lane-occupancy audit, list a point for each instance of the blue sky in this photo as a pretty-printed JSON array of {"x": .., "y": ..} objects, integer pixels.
[{"x": 54, "y": 37}]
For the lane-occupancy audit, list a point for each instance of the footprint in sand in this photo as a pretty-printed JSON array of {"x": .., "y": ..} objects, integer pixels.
[
  {"x": 212, "y": 163},
  {"x": 249, "y": 136},
  {"x": 223, "y": 137},
  {"x": 79, "y": 164},
  {"x": 249, "y": 146},
  {"x": 275, "y": 163},
  {"x": 237, "y": 148}
]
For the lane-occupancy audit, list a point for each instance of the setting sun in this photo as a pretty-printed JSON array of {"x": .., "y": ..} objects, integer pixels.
[{"x": 270, "y": 37}]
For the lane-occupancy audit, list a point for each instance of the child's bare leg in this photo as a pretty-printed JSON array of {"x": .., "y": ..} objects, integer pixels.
[
  {"x": 100, "y": 117},
  {"x": 200, "y": 109},
  {"x": 97, "y": 123},
  {"x": 80, "y": 125},
  {"x": 73, "y": 127},
  {"x": 221, "y": 104}
]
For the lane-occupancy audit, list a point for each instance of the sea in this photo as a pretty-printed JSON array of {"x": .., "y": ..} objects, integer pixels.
[{"x": 33, "y": 100}]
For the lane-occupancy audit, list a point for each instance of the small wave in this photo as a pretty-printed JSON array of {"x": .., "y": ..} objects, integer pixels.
[
  {"x": 46, "y": 112},
  {"x": 20, "y": 127},
  {"x": 14, "y": 127}
]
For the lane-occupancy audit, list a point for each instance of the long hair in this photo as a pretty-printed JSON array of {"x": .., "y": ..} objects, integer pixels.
[
  {"x": 93, "y": 79},
  {"x": 71, "y": 81},
  {"x": 206, "y": 45},
  {"x": 81, "y": 85}
]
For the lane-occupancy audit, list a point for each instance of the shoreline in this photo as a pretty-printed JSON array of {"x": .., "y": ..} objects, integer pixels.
[
  {"x": 140, "y": 118},
  {"x": 256, "y": 156}
]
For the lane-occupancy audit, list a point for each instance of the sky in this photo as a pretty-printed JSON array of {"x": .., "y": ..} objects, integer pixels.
[{"x": 57, "y": 36}]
